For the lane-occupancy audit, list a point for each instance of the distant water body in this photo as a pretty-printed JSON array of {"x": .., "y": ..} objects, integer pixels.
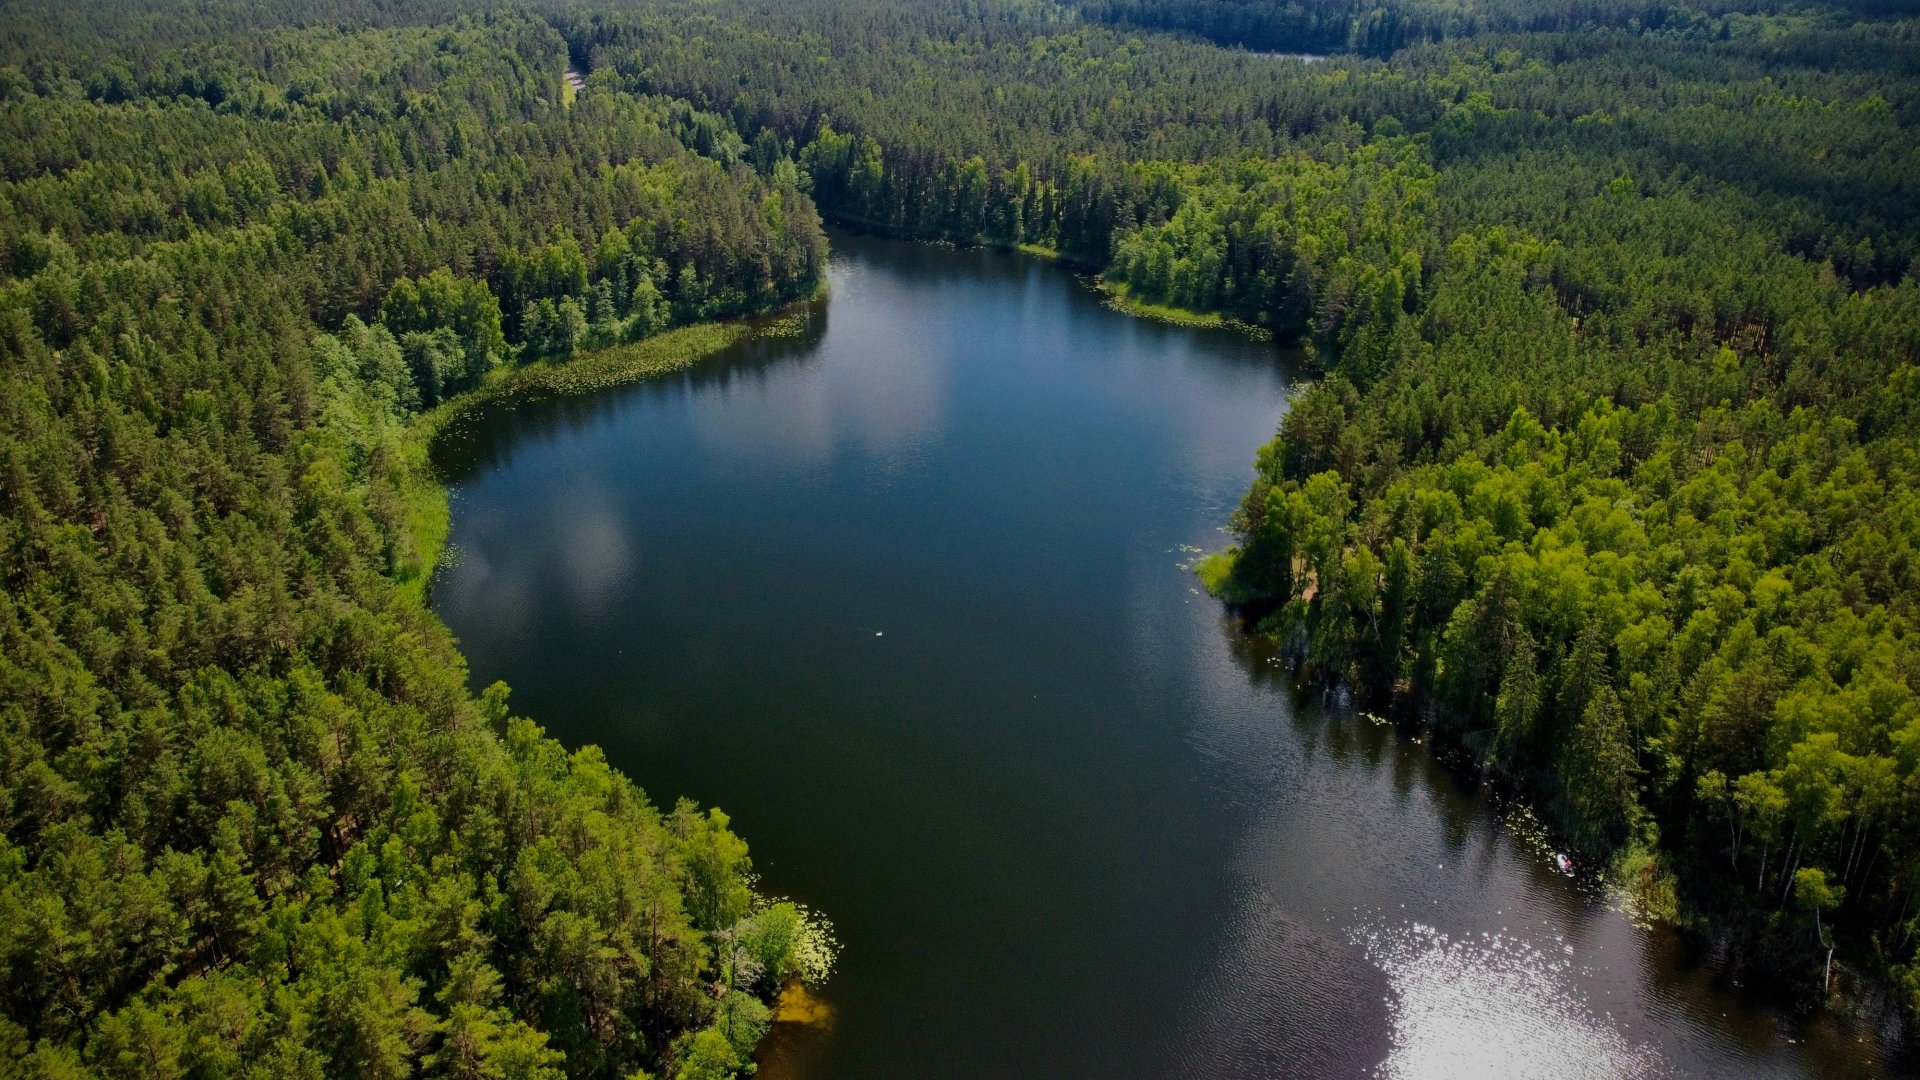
[{"x": 908, "y": 595}]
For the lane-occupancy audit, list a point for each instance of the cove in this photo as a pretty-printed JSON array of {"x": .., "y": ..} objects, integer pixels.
[{"x": 907, "y": 594}]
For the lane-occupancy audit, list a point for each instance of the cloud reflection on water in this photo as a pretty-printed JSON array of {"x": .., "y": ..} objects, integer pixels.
[{"x": 887, "y": 394}]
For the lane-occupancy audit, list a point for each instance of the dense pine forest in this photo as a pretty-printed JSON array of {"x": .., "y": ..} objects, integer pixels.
[
  {"x": 1609, "y": 473},
  {"x": 251, "y": 820}
]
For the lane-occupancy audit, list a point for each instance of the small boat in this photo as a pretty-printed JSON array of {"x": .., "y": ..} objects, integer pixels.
[{"x": 1565, "y": 864}]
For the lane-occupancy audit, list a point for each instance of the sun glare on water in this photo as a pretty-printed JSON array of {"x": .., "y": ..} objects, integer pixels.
[{"x": 1492, "y": 1006}]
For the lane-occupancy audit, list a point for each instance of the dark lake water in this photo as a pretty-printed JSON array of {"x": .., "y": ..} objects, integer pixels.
[{"x": 906, "y": 595}]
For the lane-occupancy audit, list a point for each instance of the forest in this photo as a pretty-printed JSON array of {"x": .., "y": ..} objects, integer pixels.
[
  {"x": 1609, "y": 477},
  {"x": 1609, "y": 474},
  {"x": 252, "y": 822}
]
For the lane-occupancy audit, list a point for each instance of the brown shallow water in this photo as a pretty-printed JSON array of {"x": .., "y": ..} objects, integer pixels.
[{"x": 908, "y": 596}]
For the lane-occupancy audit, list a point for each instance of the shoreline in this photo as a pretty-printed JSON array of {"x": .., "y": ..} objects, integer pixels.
[
  {"x": 428, "y": 511},
  {"x": 429, "y": 515},
  {"x": 1118, "y": 298},
  {"x": 1114, "y": 293},
  {"x": 1634, "y": 879}
]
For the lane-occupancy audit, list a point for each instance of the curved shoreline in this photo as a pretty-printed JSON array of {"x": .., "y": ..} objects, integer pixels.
[{"x": 429, "y": 516}]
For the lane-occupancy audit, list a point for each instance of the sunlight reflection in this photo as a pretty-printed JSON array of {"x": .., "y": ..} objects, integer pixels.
[{"x": 1489, "y": 1005}]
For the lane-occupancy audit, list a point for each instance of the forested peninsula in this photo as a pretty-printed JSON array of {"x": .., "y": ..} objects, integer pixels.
[{"x": 1610, "y": 472}]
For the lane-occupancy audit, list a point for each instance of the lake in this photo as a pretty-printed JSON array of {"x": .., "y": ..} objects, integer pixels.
[{"x": 908, "y": 595}]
